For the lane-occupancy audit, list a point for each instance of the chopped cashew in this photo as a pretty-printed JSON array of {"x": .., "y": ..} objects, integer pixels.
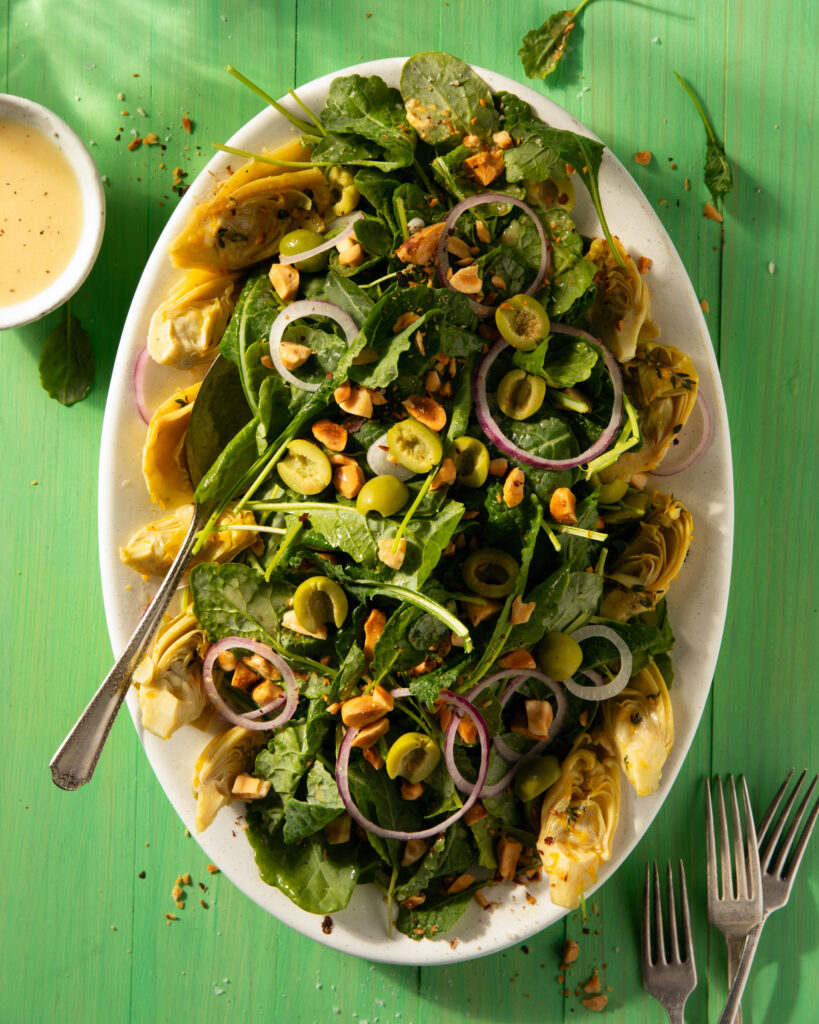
[
  {"x": 354, "y": 400},
  {"x": 498, "y": 467},
  {"x": 485, "y": 166},
  {"x": 513, "y": 487},
  {"x": 467, "y": 281},
  {"x": 458, "y": 247},
  {"x": 509, "y": 851},
  {"x": 262, "y": 666},
  {"x": 248, "y": 787},
  {"x": 411, "y": 790},
  {"x": 445, "y": 475},
  {"x": 413, "y": 851},
  {"x": 348, "y": 480},
  {"x": 350, "y": 253},
  {"x": 517, "y": 659},
  {"x": 373, "y": 628},
  {"x": 479, "y": 613},
  {"x": 426, "y": 410},
  {"x": 422, "y": 247},
  {"x": 503, "y": 140},
  {"x": 367, "y": 708},
  {"x": 521, "y": 611},
  {"x": 562, "y": 506},
  {"x": 404, "y": 321},
  {"x": 394, "y": 559},
  {"x": 539, "y": 717},
  {"x": 482, "y": 231},
  {"x": 244, "y": 676},
  {"x": 461, "y": 882},
  {"x": 338, "y": 830},
  {"x": 285, "y": 280},
  {"x": 289, "y": 621},
  {"x": 266, "y": 691},
  {"x": 294, "y": 355},
  {"x": 371, "y": 734},
  {"x": 331, "y": 435}
]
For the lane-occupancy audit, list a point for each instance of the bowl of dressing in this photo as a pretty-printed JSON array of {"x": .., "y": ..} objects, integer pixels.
[{"x": 52, "y": 211}]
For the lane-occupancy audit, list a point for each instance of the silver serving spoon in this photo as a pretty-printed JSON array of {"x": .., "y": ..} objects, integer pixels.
[{"x": 219, "y": 412}]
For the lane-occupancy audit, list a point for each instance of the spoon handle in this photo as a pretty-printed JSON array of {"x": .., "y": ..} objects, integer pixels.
[{"x": 74, "y": 763}]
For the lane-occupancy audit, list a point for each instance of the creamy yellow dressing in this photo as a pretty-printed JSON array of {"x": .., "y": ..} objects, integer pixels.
[{"x": 40, "y": 211}]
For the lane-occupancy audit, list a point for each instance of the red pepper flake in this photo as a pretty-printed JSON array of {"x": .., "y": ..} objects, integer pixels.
[
  {"x": 135, "y": 143},
  {"x": 712, "y": 214},
  {"x": 186, "y": 124},
  {"x": 643, "y": 158}
]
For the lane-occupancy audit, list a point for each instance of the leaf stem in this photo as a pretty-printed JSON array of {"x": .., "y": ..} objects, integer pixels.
[
  {"x": 708, "y": 129},
  {"x": 309, "y": 112},
  {"x": 269, "y": 159},
  {"x": 295, "y": 121},
  {"x": 413, "y": 507},
  {"x": 290, "y": 535},
  {"x": 425, "y": 603}
]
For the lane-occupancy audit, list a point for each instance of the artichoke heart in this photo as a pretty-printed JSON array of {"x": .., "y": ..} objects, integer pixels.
[
  {"x": 226, "y": 756},
  {"x": 187, "y": 325},
  {"x": 640, "y": 723},
  {"x": 621, "y": 312},
  {"x": 651, "y": 560},
  {"x": 169, "y": 677},
  {"x": 154, "y": 546},
  {"x": 662, "y": 384},
  {"x": 577, "y": 819},
  {"x": 163, "y": 456},
  {"x": 243, "y": 223}
]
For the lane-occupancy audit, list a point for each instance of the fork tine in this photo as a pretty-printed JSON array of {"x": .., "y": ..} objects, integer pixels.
[
  {"x": 659, "y": 957},
  {"x": 741, "y": 889},
  {"x": 789, "y": 835},
  {"x": 754, "y": 869},
  {"x": 686, "y": 918},
  {"x": 766, "y": 821},
  {"x": 803, "y": 840},
  {"x": 765, "y": 858},
  {"x": 711, "y": 858},
  {"x": 647, "y": 956},
  {"x": 727, "y": 892},
  {"x": 672, "y": 920}
]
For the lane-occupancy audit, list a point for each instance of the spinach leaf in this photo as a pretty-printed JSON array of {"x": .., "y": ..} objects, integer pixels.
[
  {"x": 303, "y": 818},
  {"x": 426, "y": 537},
  {"x": 563, "y": 602},
  {"x": 450, "y": 854},
  {"x": 351, "y": 151},
  {"x": 374, "y": 236},
  {"x": 392, "y": 651},
  {"x": 551, "y": 439},
  {"x": 561, "y": 361},
  {"x": 389, "y": 348},
  {"x": 234, "y": 600},
  {"x": 349, "y": 296},
  {"x": 345, "y": 529},
  {"x": 543, "y": 48},
  {"x": 512, "y": 108},
  {"x": 445, "y": 100},
  {"x": 436, "y": 915},
  {"x": 378, "y": 798},
  {"x": 235, "y": 459},
  {"x": 378, "y": 188},
  {"x": 719, "y": 179},
  {"x": 256, "y": 309},
  {"x": 427, "y": 687},
  {"x": 646, "y": 641},
  {"x": 285, "y": 759},
  {"x": 67, "y": 361},
  {"x": 370, "y": 108}
]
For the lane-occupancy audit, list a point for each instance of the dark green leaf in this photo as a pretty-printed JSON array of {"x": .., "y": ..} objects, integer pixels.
[
  {"x": 446, "y": 100},
  {"x": 378, "y": 797},
  {"x": 234, "y": 600},
  {"x": 544, "y": 47},
  {"x": 67, "y": 361},
  {"x": 719, "y": 179},
  {"x": 304, "y": 817},
  {"x": 436, "y": 915},
  {"x": 449, "y": 855},
  {"x": 370, "y": 108}
]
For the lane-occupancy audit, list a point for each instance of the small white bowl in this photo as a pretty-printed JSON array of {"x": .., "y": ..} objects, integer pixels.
[{"x": 17, "y": 108}]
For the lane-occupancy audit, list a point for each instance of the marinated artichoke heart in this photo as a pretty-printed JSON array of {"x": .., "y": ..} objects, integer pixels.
[
  {"x": 153, "y": 547},
  {"x": 163, "y": 456},
  {"x": 621, "y": 312},
  {"x": 652, "y": 559},
  {"x": 577, "y": 819},
  {"x": 169, "y": 677},
  {"x": 227, "y": 755},
  {"x": 187, "y": 325},
  {"x": 640, "y": 723},
  {"x": 662, "y": 384},
  {"x": 258, "y": 204}
]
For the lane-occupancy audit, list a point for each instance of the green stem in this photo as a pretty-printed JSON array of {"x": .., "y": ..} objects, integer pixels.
[
  {"x": 290, "y": 535},
  {"x": 550, "y": 533},
  {"x": 708, "y": 129},
  {"x": 413, "y": 507},
  {"x": 310, "y": 113},
  {"x": 419, "y": 170},
  {"x": 269, "y": 159},
  {"x": 302, "y": 126},
  {"x": 425, "y": 603},
  {"x": 402, "y": 218},
  {"x": 579, "y": 8},
  {"x": 579, "y": 531},
  {"x": 380, "y": 280},
  {"x": 229, "y": 527},
  {"x": 243, "y": 367},
  {"x": 294, "y": 506}
]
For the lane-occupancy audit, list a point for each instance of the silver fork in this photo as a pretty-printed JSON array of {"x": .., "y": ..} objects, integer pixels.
[
  {"x": 777, "y": 876},
  {"x": 737, "y": 908},
  {"x": 670, "y": 980}
]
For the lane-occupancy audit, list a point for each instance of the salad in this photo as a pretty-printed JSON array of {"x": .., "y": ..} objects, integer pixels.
[{"x": 426, "y": 621}]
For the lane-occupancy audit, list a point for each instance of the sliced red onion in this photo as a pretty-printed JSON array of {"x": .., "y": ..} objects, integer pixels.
[
  {"x": 379, "y": 461},
  {"x": 295, "y": 311},
  {"x": 139, "y": 386},
  {"x": 343, "y": 782},
  {"x": 706, "y": 431},
  {"x": 481, "y": 200},
  {"x": 248, "y": 720},
  {"x": 601, "y": 690},
  {"x": 347, "y": 222},
  {"x": 502, "y": 442},
  {"x": 505, "y": 752}
]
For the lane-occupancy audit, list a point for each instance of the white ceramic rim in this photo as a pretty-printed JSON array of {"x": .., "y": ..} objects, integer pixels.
[
  {"x": 18, "y": 108},
  {"x": 697, "y": 603}
]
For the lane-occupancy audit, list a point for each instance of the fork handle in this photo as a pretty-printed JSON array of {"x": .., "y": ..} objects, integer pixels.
[
  {"x": 728, "y": 1014},
  {"x": 734, "y": 947}
]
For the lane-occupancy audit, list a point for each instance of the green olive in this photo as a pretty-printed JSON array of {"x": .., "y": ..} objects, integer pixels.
[
  {"x": 521, "y": 394},
  {"x": 613, "y": 492},
  {"x": 301, "y": 240},
  {"x": 490, "y": 573},
  {"x": 559, "y": 656},
  {"x": 536, "y": 777},
  {"x": 305, "y": 468},
  {"x": 471, "y": 461},
  {"x": 345, "y": 194},
  {"x": 319, "y": 600},
  {"x": 383, "y": 494},
  {"x": 522, "y": 321},
  {"x": 415, "y": 446},
  {"x": 413, "y": 756}
]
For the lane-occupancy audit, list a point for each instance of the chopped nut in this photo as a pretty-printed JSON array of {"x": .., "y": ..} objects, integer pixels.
[
  {"x": 227, "y": 660},
  {"x": 432, "y": 382},
  {"x": 266, "y": 691},
  {"x": 177, "y": 892},
  {"x": 482, "y": 231},
  {"x": 571, "y": 951},
  {"x": 371, "y": 734},
  {"x": 485, "y": 166},
  {"x": 481, "y": 900},
  {"x": 261, "y": 665},
  {"x": 461, "y": 882},
  {"x": 498, "y": 467},
  {"x": 426, "y": 410},
  {"x": 348, "y": 480},
  {"x": 338, "y": 830},
  {"x": 644, "y": 264},
  {"x": 404, "y": 321},
  {"x": 704, "y": 306},
  {"x": 372, "y": 755},
  {"x": 394, "y": 559},
  {"x": 151, "y": 139},
  {"x": 503, "y": 140},
  {"x": 517, "y": 659},
  {"x": 498, "y": 282},
  {"x": 289, "y": 621},
  {"x": 643, "y": 158},
  {"x": 413, "y": 851},
  {"x": 471, "y": 141},
  {"x": 475, "y": 813},
  {"x": 422, "y": 247},
  {"x": 414, "y": 901},
  {"x": 539, "y": 717},
  {"x": 478, "y": 613},
  {"x": 248, "y": 787},
  {"x": 331, "y": 435},
  {"x": 595, "y": 1003},
  {"x": 562, "y": 506},
  {"x": 294, "y": 355},
  {"x": 509, "y": 851},
  {"x": 521, "y": 611},
  {"x": 244, "y": 676},
  {"x": 285, "y": 281},
  {"x": 513, "y": 487},
  {"x": 467, "y": 730},
  {"x": 458, "y": 247},
  {"x": 373, "y": 628},
  {"x": 411, "y": 790},
  {"x": 212, "y": 869},
  {"x": 445, "y": 475},
  {"x": 350, "y": 253},
  {"x": 354, "y": 400},
  {"x": 467, "y": 281},
  {"x": 593, "y": 985},
  {"x": 712, "y": 213},
  {"x": 367, "y": 708}
]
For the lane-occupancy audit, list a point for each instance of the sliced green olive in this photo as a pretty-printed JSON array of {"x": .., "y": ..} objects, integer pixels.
[
  {"x": 413, "y": 756},
  {"x": 536, "y": 777},
  {"x": 305, "y": 468},
  {"x": 302, "y": 240},
  {"x": 559, "y": 656},
  {"x": 383, "y": 494},
  {"x": 521, "y": 394},
  {"x": 415, "y": 446},
  {"x": 613, "y": 492},
  {"x": 319, "y": 600},
  {"x": 471, "y": 461},
  {"x": 522, "y": 321},
  {"x": 490, "y": 573}
]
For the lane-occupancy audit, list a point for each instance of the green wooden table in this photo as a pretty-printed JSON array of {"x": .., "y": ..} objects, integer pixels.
[{"x": 87, "y": 877}]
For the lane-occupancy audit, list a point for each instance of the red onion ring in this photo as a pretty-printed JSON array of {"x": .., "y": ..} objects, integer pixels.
[
  {"x": 343, "y": 782},
  {"x": 518, "y": 760},
  {"x": 295, "y": 311},
  {"x": 139, "y": 386},
  {"x": 247, "y": 720},
  {"x": 480, "y": 200},
  {"x": 706, "y": 432},
  {"x": 328, "y": 243},
  {"x": 601, "y": 690},
  {"x": 502, "y": 442}
]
